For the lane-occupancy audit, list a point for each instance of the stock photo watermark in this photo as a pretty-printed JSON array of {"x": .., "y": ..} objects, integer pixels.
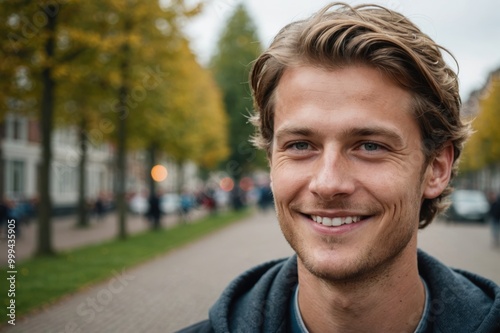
[
  {"x": 89, "y": 309},
  {"x": 11, "y": 271}
]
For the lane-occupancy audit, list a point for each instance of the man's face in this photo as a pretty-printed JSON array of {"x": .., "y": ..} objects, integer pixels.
[{"x": 346, "y": 169}]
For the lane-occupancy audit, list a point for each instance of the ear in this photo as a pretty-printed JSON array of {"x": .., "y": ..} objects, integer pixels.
[{"x": 438, "y": 173}]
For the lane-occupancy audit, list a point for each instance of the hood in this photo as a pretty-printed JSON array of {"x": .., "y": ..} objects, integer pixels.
[
  {"x": 460, "y": 301},
  {"x": 258, "y": 300}
]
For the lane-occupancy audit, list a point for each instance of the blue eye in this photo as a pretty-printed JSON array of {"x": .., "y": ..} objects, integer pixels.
[
  {"x": 300, "y": 145},
  {"x": 370, "y": 146}
]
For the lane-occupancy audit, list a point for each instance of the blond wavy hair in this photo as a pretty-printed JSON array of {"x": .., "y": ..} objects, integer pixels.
[{"x": 341, "y": 35}]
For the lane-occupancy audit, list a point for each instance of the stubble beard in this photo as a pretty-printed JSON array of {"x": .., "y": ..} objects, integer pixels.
[{"x": 369, "y": 264}]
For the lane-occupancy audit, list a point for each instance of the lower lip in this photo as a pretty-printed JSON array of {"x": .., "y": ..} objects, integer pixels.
[{"x": 337, "y": 230}]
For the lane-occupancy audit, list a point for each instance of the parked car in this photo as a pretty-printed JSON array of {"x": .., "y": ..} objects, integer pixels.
[
  {"x": 468, "y": 205},
  {"x": 138, "y": 204},
  {"x": 170, "y": 203}
]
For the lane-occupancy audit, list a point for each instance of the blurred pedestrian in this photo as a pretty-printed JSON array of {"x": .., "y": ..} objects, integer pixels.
[
  {"x": 154, "y": 211},
  {"x": 238, "y": 199},
  {"x": 99, "y": 208},
  {"x": 15, "y": 212},
  {"x": 187, "y": 204},
  {"x": 494, "y": 217},
  {"x": 208, "y": 201},
  {"x": 4, "y": 215},
  {"x": 265, "y": 199}
]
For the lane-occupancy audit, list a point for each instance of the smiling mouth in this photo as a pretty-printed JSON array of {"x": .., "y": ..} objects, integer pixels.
[{"x": 336, "y": 221}]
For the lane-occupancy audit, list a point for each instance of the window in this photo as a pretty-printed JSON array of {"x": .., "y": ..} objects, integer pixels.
[
  {"x": 16, "y": 178},
  {"x": 65, "y": 179},
  {"x": 16, "y": 127}
]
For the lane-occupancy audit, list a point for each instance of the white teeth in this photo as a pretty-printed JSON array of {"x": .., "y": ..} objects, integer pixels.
[
  {"x": 335, "y": 221},
  {"x": 326, "y": 221}
]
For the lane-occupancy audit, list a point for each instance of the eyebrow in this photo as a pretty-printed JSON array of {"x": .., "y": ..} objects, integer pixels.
[
  {"x": 347, "y": 133},
  {"x": 293, "y": 131},
  {"x": 393, "y": 136}
]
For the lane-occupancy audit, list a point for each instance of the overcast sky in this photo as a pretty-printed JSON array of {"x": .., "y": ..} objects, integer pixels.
[{"x": 470, "y": 29}]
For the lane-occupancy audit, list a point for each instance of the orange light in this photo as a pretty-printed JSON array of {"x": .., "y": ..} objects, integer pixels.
[
  {"x": 226, "y": 184},
  {"x": 246, "y": 183},
  {"x": 159, "y": 173}
]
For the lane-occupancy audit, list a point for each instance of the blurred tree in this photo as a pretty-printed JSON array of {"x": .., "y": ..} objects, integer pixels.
[
  {"x": 17, "y": 93},
  {"x": 73, "y": 46},
  {"x": 143, "y": 33},
  {"x": 86, "y": 86},
  {"x": 483, "y": 148},
  {"x": 35, "y": 54},
  {"x": 187, "y": 119},
  {"x": 198, "y": 130},
  {"x": 237, "y": 48}
]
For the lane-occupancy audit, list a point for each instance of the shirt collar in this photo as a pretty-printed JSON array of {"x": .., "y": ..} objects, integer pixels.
[{"x": 297, "y": 324}]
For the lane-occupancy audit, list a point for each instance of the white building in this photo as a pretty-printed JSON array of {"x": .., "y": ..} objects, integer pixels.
[{"x": 21, "y": 153}]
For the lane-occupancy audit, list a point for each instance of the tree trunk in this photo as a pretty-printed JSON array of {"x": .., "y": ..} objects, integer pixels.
[
  {"x": 179, "y": 188},
  {"x": 46, "y": 124},
  {"x": 151, "y": 164},
  {"x": 121, "y": 175},
  {"x": 123, "y": 113},
  {"x": 2, "y": 162},
  {"x": 83, "y": 220}
]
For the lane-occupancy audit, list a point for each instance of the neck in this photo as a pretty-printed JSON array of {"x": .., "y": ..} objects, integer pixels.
[{"x": 390, "y": 301}]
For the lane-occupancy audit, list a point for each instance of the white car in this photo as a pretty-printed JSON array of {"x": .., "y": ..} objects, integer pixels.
[
  {"x": 169, "y": 204},
  {"x": 138, "y": 204},
  {"x": 468, "y": 205}
]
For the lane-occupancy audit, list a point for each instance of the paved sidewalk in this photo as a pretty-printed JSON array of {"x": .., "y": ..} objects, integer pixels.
[
  {"x": 166, "y": 293},
  {"x": 177, "y": 289},
  {"x": 67, "y": 236},
  {"x": 462, "y": 245}
]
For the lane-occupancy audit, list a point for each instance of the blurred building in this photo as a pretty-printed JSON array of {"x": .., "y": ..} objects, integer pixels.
[{"x": 20, "y": 155}]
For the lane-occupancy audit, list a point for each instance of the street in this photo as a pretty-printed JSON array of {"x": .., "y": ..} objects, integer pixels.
[{"x": 177, "y": 289}]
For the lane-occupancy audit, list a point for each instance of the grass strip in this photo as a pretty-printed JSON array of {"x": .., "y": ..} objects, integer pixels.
[{"x": 43, "y": 280}]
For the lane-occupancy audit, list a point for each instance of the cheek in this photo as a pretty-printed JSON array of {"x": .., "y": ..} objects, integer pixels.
[
  {"x": 391, "y": 189},
  {"x": 286, "y": 182}
]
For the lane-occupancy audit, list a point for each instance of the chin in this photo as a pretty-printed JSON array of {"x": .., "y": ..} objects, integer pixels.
[{"x": 334, "y": 268}]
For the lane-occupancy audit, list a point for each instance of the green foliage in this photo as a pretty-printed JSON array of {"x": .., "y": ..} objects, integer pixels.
[
  {"x": 187, "y": 119},
  {"x": 237, "y": 48},
  {"x": 86, "y": 66},
  {"x": 166, "y": 88},
  {"x": 483, "y": 148},
  {"x": 120, "y": 71},
  {"x": 41, "y": 281}
]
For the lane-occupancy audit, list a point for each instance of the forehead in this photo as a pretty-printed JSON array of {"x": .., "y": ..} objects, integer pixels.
[
  {"x": 331, "y": 87},
  {"x": 360, "y": 80},
  {"x": 345, "y": 96}
]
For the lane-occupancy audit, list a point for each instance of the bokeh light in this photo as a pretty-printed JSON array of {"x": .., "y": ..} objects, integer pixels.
[
  {"x": 246, "y": 184},
  {"x": 159, "y": 173},
  {"x": 226, "y": 184}
]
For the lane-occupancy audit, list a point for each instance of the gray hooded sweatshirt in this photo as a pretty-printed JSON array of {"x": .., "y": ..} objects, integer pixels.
[{"x": 259, "y": 300}]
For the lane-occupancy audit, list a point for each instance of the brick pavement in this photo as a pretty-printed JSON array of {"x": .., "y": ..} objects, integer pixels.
[{"x": 174, "y": 290}]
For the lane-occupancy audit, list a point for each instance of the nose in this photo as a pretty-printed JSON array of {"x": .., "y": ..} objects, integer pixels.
[{"x": 332, "y": 176}]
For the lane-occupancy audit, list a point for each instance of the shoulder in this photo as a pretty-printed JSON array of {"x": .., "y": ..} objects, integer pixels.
[
  {"x": 257, "y": 299},
  {"x": 201, "y": 327},
  {"x": 459, "y": 299}
]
